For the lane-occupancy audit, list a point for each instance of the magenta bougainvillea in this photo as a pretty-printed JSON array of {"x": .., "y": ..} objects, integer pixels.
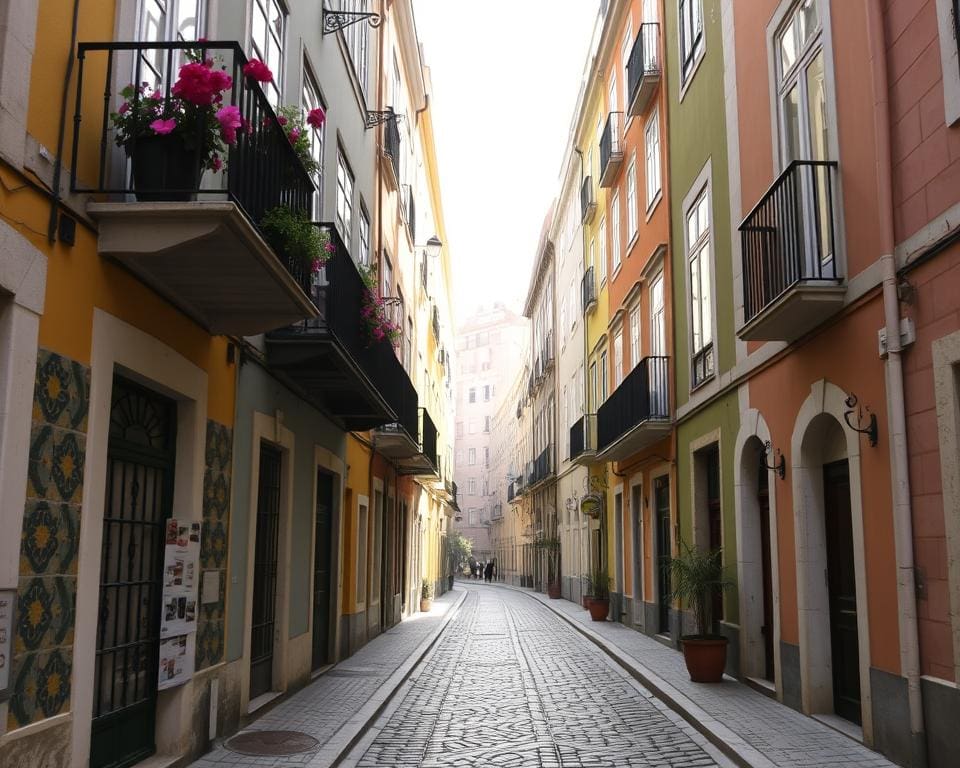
[{"x": 373, "y": 312}]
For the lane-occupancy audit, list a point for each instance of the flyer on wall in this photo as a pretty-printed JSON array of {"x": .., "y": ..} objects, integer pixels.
[
  {"x": 181, "y": 564},
  {"x": 176, "y": 660}
]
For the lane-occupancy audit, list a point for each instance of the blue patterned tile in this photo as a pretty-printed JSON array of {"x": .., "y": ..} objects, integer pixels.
[
  {"x": 45, "y": 613},
  {"x": 61, "y": 392},
  {"x": 56, "y": 464},
  {"x": 50, "y": 538},
  {"x": 41, "y": 686}
]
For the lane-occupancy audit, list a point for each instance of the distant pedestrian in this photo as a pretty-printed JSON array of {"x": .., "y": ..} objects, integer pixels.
[{"x": 488, "y": 573}]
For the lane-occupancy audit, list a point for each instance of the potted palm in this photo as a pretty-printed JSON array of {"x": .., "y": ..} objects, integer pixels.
[
  {"x": 697, "y": 577},
  {"x": 599, "y": 603},
  {"x": 426, "y": 595},
  {"x": 550, "y": 546}
]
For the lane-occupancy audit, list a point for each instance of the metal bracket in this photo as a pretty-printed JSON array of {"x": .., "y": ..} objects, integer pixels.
[
  {"x": 333, "y": 21},
  {"x": 375, "y": 118},
  {"x": 780, "y": 467},
  {"x": 871, "y": 429}
]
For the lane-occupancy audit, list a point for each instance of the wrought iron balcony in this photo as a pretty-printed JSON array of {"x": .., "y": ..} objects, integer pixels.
[
  {"x": 611, "y": 149},
  {"x": 583, "y": 439},
  {"x": 543, "y": 466},
  {"x": 588, "y": 200},
  {"x": 643, "y": 67},
  {"x": 588, "y": 290},
  {"x": 358, "y": 381},
  {"x": 391, "y": 148},
  {"x": 191, "y": 234},
  {"x": 791, "y": 277},
  {"x": 513, "y": 493},
  {"x": 637, "y": 413},
  {"x": 414, "y": 453}
]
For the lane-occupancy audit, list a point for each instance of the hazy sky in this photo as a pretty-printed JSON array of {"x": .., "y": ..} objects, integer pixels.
[{"x": 506, "y": 74}]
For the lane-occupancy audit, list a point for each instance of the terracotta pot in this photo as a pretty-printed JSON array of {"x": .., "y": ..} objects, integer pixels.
[
  {"x": 598, "y": 609},
  {"x": 164, "y": 165},
  {"x": 553, "y": 590},
  {"x": 705, "y": 657},
  {"x": 425, "y": 605}
]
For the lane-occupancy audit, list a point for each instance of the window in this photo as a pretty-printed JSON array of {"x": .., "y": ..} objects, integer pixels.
[
  {"x": 691, "y": 36},
  {"x": 472, "y": 396},
  {"x": 635, "y": 336},
  {"x": 311, "y": 100},
  {"x": 603, "y": 376},
  {"x": 344, "y": 198},
  {"x": 612, "y": 93},
  {"x": 625, "y": 48},
  {"x": 363, "y": 257},
  {"x": 651, "y": 140},
  {"x": 486, "y": 393},
  {"x": 594, "y": 387},
  {"x": 486, "y": 424},
  {"x": 472, "y": 486},
  {"x": 632, "y": 199},
  {"x": 459, "y": 429},
  {"x": 486, "y": 458},
  {"x": 615, "y": 232},
  {"x": 267, "y": 29},
  {"x": 473, "y": 517},
  {"x": 472, "y": 456},
  {"x": 376, "y": 559},
  {"x": 362, "y": 550},
  {"x": 618, "y": 358},
  {"x": 701, "y": 289},
  {"x": 602, "y": 262},
  {"x": 563, "y": 318},
  {"x": 386, "y": 289},
  {"x": 167, "y": 21},
  {"x": 357, "y": 39},
  {"x": 803, "y": 119}
]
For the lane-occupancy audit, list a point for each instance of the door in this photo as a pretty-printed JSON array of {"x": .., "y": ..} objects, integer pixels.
[
  {"x": 715, "y": 523},
  {"x": 266, "y": 545},
  {"x": 138, "y": 499},
  {"x": 405, "y": 558},
  {"x": 763, "y": 502},
  {"x": 618, "y": 544},
  {"x": 636, "y": 511},
  {"x": 661, "y": 503},
  {"x": 842, "y": 589},
  {"x": 322, "y": 539}
]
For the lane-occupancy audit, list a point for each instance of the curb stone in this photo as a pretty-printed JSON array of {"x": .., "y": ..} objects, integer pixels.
[{"x": 350, "y": 733}]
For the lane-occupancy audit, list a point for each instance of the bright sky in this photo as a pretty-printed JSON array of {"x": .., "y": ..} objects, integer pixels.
[{"x": 505, "y": 82}]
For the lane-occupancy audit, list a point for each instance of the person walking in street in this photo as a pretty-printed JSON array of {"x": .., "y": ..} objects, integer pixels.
[{"x": 488, "y": 572}]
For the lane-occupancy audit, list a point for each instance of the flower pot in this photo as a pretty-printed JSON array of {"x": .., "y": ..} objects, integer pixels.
[
  {"x": 164, "y": 166},
  {"x": 598, "y": 609},
  {"x": 585, "y": 601},
  {"x": 425, "y": 604},
  {"x": 554, "y": 590},
  {"x": 705, "y": 657}
]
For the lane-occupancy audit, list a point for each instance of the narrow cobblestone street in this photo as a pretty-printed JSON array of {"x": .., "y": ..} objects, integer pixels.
[{"x": 509, "y": 684}]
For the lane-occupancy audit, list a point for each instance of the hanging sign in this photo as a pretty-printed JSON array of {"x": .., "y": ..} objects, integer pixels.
[
  {"x": 179, "y": 604},
  {"x": 591, "y": 505}
]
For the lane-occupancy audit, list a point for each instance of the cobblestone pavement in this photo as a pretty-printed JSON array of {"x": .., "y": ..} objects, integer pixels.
[{"x": 511, "y": 684}]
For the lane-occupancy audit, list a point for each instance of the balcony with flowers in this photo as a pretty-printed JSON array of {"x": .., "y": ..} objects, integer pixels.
[{"x": 183, "y": 158}]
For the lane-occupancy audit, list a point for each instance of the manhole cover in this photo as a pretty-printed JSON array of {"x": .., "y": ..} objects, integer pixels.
[{"x": 272, "y": 743}]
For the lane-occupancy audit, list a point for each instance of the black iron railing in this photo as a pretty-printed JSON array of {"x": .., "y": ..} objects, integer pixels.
[
  {"x": 583, "y": 435},
  {"x": 543, "y": 465},
  {"x": 588, "y": 202},
  {"x": 428, "y": 437},
  {"x": 262, "y": 171},
  {"x": 611, "y": 147},
  {"x": 644, "y": 58},
  {"x": 644, "y": 395},
  {"x": 391, "y": 145},
  {"x": 512, "y": 491},
  {"x": 588, "y": 289},
  {"x": 789, "y": 236}
]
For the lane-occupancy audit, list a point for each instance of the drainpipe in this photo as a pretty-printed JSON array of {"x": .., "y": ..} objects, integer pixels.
[{"x": 896, "y": 411}]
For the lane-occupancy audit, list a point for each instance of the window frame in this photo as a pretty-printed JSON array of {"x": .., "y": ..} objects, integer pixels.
[
  {"x": 690, "y": 52},
  {"x": 276, "y": 86},
  {"x": 703, "y": 362},
  {"x": 345, "y": 200},
  {"x": 616, "y": 224},
  {"x": 632, "y": 217},
  {"x": 652, "y": 166}
]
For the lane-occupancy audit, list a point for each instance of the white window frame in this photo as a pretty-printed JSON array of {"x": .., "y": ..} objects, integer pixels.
[
  {"x": 363, "y": 257},
  {"x": 345, "y": 192},
  {"x": 632, "y": 199},
  {"x": 263, "y": 49},
  {"x": 602, "y": 261},
  {"x": 635, "y": 346},
  {"x": 615, "y": 226},
  {"x": 705, "y": 353},
  {"x": 471, "y": 457},
  {"x": 626, "y": 46},
  {"x": 651, "y": 143},
  {"x": 690, "y": 51},
  {"x": 311, "y": 98},
  {"x": 618, "y": 358}
]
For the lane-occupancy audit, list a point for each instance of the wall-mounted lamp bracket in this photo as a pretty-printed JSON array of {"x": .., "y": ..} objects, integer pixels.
[
  {"x": 871, "y": 430},
  {"x": 376, "y": 117},
  {"x": 779, "y": 466},
  {"x": 333, "y": 21}
]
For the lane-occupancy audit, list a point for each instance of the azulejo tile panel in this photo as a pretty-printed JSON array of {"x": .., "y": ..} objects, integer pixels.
[{"x": 47, "y": 589}]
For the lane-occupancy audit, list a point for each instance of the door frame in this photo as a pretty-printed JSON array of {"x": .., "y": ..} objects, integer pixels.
[
  {"x": 637, "y": 550},
  {"x": 118, "y": 347},
  {"x": 816, "y": 684},
  {"x": 325, "y": 460},
  {"x": 269, "y": 429}
]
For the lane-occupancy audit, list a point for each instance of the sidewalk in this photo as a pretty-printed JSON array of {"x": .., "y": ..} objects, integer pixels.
[
  {"x": 752, "y": 729},
  {"x": 337, "y": 707}
]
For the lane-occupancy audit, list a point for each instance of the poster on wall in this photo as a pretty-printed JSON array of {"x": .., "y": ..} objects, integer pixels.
[
  {"x": 176, "y": 660},
  {"x": 178, "y": 607}
]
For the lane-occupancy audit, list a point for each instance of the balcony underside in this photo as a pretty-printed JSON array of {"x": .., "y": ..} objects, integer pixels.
[
  {"x": 611, "y": 170},
  {"x": 205, "y": 258},
  {"x": 419, "y": 466},
  {"x": 644, "y": 92},
  {"x": 589, "y": 210},
  {"x": 394, "y": 442},
  {"x": 585, "y": 457},
  {"x": 795, "y": 312},
  {"x": 643, "y": 435},
  {"x": 330, "y": 378}
]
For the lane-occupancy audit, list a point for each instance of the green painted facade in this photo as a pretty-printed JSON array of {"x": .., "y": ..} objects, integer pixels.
[{"x": 697, "y": 139}]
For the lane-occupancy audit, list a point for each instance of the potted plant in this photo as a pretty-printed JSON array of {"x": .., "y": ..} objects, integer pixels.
[
  {"x": 550, "y": 546},
  {"x": 426, "y": 595},
  {"x": 599, "y": 605},
  {"x": 293, "y": 236},
  {"x": 697, "y": 577},
  {"x": 294, "y": 125},
  {"x": 373, "y": 311}
]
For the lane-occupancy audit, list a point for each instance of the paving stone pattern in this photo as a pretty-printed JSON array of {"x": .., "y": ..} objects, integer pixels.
[
  {"x": 326, "y": 704},
  {"x": 784, "y": 736},
  {"x": 510, "y": 684}
]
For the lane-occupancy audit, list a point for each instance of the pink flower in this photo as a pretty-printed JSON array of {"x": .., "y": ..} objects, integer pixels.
[
  {"x": 316, "y": 118},
  {"x": 329, "y": 247},
  {"x": 294, "y": 135},
  {"x": 156, "y": 96},
  {"x": 229, "y": 119},
  {"x": 220, "y": 80},
  {"x": 123, "y": 108},
  {"x": 217, "y": 163},
  {"x": 201, "y": 39},
  {"x": 282, "y": 120},
  {"x": 194, "y": 84},
  {"x": 316, "y": 265},
  {"x": 257, "y": 70},
  {"x": 163, "y": 127}
]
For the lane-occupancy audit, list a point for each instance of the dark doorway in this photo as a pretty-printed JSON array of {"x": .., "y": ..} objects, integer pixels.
[
  {"x": 322, "y": 540},
  {"x": 636, "y": 509},
  {"x": 763, "y": 504},
  {"x": 661, "y": 495},
  {"x": 841, "y": 584},
  {"x": 405, "y": 557},
  {"x": 266, "y": 548},
  {"x": 141, "y": 451},
  {"x": 715, "y": 526}
]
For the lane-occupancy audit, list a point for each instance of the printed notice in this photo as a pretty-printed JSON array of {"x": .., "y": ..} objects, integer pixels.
[{"x": 179, "y": 603}]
